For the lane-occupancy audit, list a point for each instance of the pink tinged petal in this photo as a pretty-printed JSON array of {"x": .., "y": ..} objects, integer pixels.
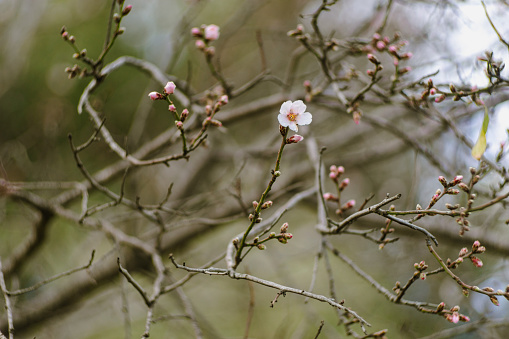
[
  {"x": 298, "y": 107},
  {"x": 304, "y": 118},
  {"x": 285, "y": 107}
]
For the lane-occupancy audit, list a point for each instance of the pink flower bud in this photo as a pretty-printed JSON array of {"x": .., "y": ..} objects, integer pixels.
[
  {"x": 199, "y": 44},
  {"x": 155, "y": 96},
  {"x": 405, "y": 70},
  {"x": 341, "y": 170},
  {"x": 284, "y": 228},
  {"x": 196, "y": 32},
  {"x": 294, "y": 139},
  {"x": 223, "y": 100},
  {"x": 172, "y": 108},
  {"x": 127, "y": 9},
  {"x": 464, "y": 318},
  {"x": 179, "y": 124},
  {"x": 266, "y": 204},
  {"x": 406, "y": 55},
  {"x": 344, "y": 183},
  {"x": 211, "y": 32},
  {"x": 463, "y": 252},
  {"x": 373, "y": 59},
  {"x": 455, "y": 317},
  {"x": 169, "y": 88},
  {"x": 457, "y": 180},
  {"x": 476, "y": 244},
  {"x": 380, "y": 45},
  {"x": 442, "y": 180},
  {"x": 184, "y": 115},
  {"x": 433, "y": 91},
  {"x": 392, "y": 50},
  {"x": 307, "y": 85},
  {"x": 333, "y": 168},
  {"x": 440, "y": 98},
  {"x": 330, "y": 197},
  {"x": 476, "y": 261},
  {"x": 350, "y": 204}
]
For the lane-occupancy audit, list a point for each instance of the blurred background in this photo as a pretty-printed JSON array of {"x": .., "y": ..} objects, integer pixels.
[{"x": 38, "y": 110}]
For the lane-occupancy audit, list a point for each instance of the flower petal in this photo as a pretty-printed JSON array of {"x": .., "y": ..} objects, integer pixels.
[
  {"x": 304, "y": 118},
  {"x": 293, "y": 126},
  {"x": 283, "y": 120},
  {"x": 285, "y": 107},
  {"x": 298, "y": 106}
]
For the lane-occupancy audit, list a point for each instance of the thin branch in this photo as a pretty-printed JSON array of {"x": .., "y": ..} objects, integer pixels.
[
  {"x": 242, "y": 276},
  {"x": 8, "y": 306},
  {"x": 53, "y": 278}
]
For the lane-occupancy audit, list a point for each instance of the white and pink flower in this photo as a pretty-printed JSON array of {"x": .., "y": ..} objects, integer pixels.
[{"x": 293, "y": 114}]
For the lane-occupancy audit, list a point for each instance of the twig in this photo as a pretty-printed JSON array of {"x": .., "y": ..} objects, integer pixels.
[
  {"x": 319, "y": 329},
  {"x": 8, "y": 307},
  {"x": 53, "y": 278},
  {"x": 242, "y": 276}
]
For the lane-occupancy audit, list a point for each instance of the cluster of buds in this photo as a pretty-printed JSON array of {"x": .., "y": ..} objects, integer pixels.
[
  {"x": 282, "y": 237},
  {"x": 494, "y": 67},
  {"x": 449, "y": 184},
  {"x": 465, "y": 253},
  {"x": 75, "y": 71},
  {"x": 431, "y": 90},
  {"x": 168, "y": 90},
  {"x": 335, "y": 173},
  {"x": 204, "y": 35},
  {"x": 212, "y": 108},
  {"x": 453, "y": 314},
  {"x": 420, "y": 268},
  {"x": 392, "y": 47}
]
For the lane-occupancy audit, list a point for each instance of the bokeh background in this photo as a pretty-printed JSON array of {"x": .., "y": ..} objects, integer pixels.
[{"x": 38, "y": 110}]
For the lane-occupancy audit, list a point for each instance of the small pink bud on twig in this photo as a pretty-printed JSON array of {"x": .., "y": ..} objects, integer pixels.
[
  {"x": 223, "y": 100},
  {"x": 200, "y": 44},
  {"x": 127, "y": 9},
  {"x": 476, "y": 261},
  {"x": 155, "y": 96},
  {"x": 344, "y": 184},
  {"x": 211, "y": 32},
  {"x": 266, "y": 204},
  {"x": 349, "y": 204},
  {"x": 284, "y": 228},
  {"x": 330, "y": 197},
  {"x": 463, "y": 252},
  {"x": 196, "y": 32},
  {"x": 440, "y": 98},
  {"x": 380, "y": 45},
  {"x": 294, "y": 139},
  {"x": 456, "y": 180},
  {"x": 169, "y": 88}
]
